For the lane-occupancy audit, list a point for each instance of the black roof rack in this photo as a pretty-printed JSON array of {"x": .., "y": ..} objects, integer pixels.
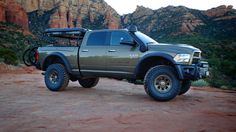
[
  {"x": 71, "y": 33},
  {"x": 51, "y": 30}
]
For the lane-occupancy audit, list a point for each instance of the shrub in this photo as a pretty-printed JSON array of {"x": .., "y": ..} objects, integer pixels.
[
  {"x": 8, "y": 56},
  {"x": 200, "y": 83}
]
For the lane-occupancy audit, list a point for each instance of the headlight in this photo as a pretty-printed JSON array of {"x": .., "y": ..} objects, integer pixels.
[{"x": 184, "y": 58}]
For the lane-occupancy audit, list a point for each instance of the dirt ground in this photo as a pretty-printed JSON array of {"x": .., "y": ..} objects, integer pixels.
[{"x": 27, "y": 105}]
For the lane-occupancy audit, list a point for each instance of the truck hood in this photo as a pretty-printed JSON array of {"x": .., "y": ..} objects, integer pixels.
[{"x": 173, "y": 49}]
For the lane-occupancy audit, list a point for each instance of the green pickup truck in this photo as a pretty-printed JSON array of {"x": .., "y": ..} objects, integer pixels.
[{"x": 165, "y": 70}]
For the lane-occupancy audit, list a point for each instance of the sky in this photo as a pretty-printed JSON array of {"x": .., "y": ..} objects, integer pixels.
[{"x": 128, "y": 6}]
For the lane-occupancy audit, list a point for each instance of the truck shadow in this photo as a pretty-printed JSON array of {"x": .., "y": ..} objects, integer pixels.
[{"x": 128, "y": 95}]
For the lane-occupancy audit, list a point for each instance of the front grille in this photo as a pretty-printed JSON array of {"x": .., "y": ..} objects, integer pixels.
[{"x": 195, "y": 60}]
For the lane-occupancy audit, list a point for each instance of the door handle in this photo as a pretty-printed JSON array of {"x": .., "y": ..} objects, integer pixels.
[
  {"x": 111, "y": 50},
  {"x": 85, "y": 50}
]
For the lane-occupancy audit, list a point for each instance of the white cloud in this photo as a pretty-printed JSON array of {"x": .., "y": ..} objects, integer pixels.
[{"x": 128, "y": 6}]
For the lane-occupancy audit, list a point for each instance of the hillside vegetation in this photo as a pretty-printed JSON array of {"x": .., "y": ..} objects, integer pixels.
[
  {"x": 12, "y": 43},
  {"x": 219, "y": 53}
]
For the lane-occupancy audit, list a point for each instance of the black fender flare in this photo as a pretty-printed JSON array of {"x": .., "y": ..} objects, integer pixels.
[
  {"x": 161, "y": 55},
  {"x": 59, "y": 55}
]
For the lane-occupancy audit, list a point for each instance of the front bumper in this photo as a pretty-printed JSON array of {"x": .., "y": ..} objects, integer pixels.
[{"x": 194, "y": 71}]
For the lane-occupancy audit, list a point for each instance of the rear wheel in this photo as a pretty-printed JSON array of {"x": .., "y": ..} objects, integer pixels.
[
  {"x": 161, "y": 83},
  {"x": 56, "y": 77},
  {"x": 88, "y": 82},
  {"x": 186, "y": 84}
]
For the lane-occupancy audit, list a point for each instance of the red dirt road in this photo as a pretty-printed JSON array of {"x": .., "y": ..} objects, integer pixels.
[{"x": 27, "y": 105}]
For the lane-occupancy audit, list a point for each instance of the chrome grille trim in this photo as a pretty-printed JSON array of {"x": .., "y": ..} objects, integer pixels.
[{"x": 196, "y": 57}]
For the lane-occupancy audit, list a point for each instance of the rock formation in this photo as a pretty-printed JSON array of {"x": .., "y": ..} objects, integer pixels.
[
  {"x": 221, "y": 13},
  {"x": 179, "y": 20},
  {"x": 189, "y": 23},
  {"x": 218, "y": 11},
  {"x": 72, "y": 13},
  {"x": 62, "y": 18},
  {"x": 12, "y": 12},
  {"x": 2, "y": 10},
  {"x": 33, "y": 5},
  {"x": 97, "y": 14}
]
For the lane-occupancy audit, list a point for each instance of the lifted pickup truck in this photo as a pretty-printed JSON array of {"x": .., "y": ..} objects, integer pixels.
[{"x": 166, "y": 70}]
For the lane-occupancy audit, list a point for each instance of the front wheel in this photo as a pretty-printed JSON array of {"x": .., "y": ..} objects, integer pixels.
[
  {"x": 88, "y": 82},
  {"x": 161, "y": 83}
]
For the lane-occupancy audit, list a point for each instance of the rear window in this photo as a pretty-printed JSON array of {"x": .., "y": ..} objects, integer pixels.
[{"x": 97, "y": 39}]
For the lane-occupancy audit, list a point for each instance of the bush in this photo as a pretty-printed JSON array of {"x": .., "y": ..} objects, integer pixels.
[
  {"x": 200, "y": 83},
  {"x": 12, "y": 43},
  {"x": 8, "y": 56}
]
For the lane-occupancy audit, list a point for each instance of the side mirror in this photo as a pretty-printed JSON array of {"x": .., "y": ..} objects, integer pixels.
[{"x": 131, "y": 43}]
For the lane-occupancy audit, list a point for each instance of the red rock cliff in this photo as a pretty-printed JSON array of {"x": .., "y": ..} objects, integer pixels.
[
  {"x": 62, "y": 18},
  {"x": 12, "y": 12},
  {"x": 72, "y": 13},
  {"x": 222, "y": 12},
  {"x": 2, "y": 11},
  {"x": 218, "y": 11}
]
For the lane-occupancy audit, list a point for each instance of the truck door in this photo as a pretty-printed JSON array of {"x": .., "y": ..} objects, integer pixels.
[
  {"x": 121, "y": 58},
  {"x": 92, "y": 54}
]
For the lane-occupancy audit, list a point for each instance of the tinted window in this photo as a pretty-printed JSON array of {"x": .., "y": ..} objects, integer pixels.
[
  {"x": 97, "y": 38},
  {"x": 118, "y": 36}
]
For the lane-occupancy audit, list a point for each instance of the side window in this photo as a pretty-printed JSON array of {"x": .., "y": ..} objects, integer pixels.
[
  {"x": 97, "y": 39},
  {"x": 118, "y": 36}
]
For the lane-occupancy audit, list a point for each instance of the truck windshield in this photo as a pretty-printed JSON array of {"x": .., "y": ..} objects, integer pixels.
[{"x": 145, "y": 39}]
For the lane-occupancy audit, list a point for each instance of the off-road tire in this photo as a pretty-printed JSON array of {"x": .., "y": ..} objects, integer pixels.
[
  {"x": 32, "y": 56},
  {"x": 25, "y": 58},
  {"x": 153, "y": 88},
  {"x": 58, "y": 83},
  {"x": 88, "y": 82},
  {"x": 185, "y": 86}
]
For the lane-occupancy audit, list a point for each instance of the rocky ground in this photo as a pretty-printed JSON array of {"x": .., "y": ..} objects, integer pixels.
[{"x": 27, "y": 105}]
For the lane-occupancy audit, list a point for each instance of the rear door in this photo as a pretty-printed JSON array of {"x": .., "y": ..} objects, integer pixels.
[{"x": 93, "y": 53}]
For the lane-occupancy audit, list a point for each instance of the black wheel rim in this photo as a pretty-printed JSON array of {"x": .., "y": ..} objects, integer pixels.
[
  {"x": 32, "y": 58},
  {"x": 53, "y": 77},
  {"x": 163, "y": 83},
  {"x": 32, "y": 55}
]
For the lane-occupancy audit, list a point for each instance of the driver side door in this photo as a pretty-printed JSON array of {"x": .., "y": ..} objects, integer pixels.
[{"x": 122, "y": 58}]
